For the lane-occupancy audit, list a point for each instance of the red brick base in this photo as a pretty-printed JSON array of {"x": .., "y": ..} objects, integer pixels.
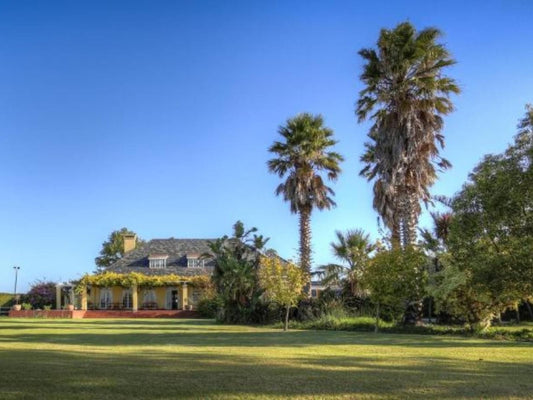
[
  {"x": 76, "y": 314},
  {"x": 141, "y": 314}
]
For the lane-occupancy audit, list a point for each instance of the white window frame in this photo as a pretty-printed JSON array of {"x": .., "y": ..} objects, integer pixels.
[
  {"x": 127, "y": 298},
  {"x": 106, "y": 298},
  {"x": 158, "y": 263},
  {"x": 195, "y": 263},
  {"x": 149, "y": 296}
]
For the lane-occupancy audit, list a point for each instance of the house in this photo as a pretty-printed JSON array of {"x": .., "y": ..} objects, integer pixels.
[{"x": 162, "y": 274}]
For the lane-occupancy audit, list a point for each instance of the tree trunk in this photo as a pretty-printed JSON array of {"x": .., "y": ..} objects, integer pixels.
[
  {"x": 409, "y": 220},
  {"x": 529, "y": 309},
  {"x": 396, "y": 240},
  {"x": 305, "y": 247},
  {"x": 429, "y": 309},
  {"x": 376, "y": 328},
  {"x": 286, "y": 325}
]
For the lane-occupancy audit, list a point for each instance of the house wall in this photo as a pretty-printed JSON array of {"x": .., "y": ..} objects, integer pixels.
[
  {"x": 161, "y": 296},
  {"x": 94, "y": 296},
  {"x": 117, "y": 294},
  {"x": 193, "y": 295}
]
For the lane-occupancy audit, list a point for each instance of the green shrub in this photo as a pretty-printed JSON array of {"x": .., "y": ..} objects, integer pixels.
[
  {"x": 6, "y": 299},
  {"x": 523, "y": 332},
  {"x": 209, "y": 306},
  {"x": 47, "y": 308},
  {"x": 330, "y": 322},
  {"x": 26, "y": 306}
]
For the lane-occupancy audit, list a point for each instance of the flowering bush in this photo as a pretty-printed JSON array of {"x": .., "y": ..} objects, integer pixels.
[{"x": 41, "y": 294}]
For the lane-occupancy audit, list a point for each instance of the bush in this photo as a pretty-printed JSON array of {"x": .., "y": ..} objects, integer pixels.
[
  {"x": 26, "y": 306},
  {"x": 209, "y": 306},
  {"x": 307, "y": 310},
  {"x": 333, "y": 323},
  {"x": 41, "y": 294},
  {"x": 366, "y": 324},
  {"x": 6, "y": 299},
  {"x": 266, "y": 312}
]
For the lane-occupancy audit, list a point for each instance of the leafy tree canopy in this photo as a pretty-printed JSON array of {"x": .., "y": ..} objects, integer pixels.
[
  {"x": 282, "y": 283},
  {"x": 490, "y": 239},
  {"x": 237, "y": 260},
  {"x": 353, "y": 249},
  {"x": 396, "y": 279},
  {"x": 113, "y": 249}
]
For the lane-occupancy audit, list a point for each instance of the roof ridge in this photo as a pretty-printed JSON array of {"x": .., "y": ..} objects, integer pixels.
[{"x": 172, "y": 238}]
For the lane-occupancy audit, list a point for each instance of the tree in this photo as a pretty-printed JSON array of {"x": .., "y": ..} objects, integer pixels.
[
  {"x": 353, "y": 249},
  {"x": 490, "y": 264},
  {"x": 395, "y": 278},
  {"x": 113, "y": 249},
  {"x": 235, "y": 276},
  {"x": 302, "y": 158},
  {"x": 282, "y": 282},
  {"x": 434, "y": 245},
  {"x": 406, "y": 95}
]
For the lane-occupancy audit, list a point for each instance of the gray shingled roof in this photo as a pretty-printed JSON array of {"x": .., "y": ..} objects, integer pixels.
[{"x": 176, "y": 249}]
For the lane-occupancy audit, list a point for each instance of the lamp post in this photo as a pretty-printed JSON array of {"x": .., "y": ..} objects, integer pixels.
[{"x": 16, "y": 276}]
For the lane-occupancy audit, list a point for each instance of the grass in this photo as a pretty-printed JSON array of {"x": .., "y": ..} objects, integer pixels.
[{"x": 190, "y": 359}]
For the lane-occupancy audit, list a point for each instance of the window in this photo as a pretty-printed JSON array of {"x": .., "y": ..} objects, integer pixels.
[
  {"x": 194, "y": 296},
  {"x": 106, "y": 298},
  {"x": 149, "y": 295},
  {"x": 194, "y": 263},
  {"x": 149, "y": 299},
  {"x": 158, "y": 261},
  {"x": 127, "y": 301}
]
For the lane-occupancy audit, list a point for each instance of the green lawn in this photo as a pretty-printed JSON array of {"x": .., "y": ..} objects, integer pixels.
[{"x": 176, "y": 359}]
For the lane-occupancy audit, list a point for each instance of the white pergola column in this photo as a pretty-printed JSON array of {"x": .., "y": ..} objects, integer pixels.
[
  {"x": 184, "y": 295},
  {"x": 84, "y": 298},
  {"x": 58, "y": 296},
  {"x": 134, "y": 298}
]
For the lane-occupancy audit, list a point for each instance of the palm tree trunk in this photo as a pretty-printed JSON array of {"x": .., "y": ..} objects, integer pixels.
[
  {"x": 396, "y": 240},
  {"x": 305, "y": 246},
  {"x": 411, "y": 220}
]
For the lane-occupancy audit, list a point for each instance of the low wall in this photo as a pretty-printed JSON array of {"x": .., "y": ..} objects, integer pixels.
[
  {"x": 46, "y": 314},
  {"x": 76, "y": 314}
]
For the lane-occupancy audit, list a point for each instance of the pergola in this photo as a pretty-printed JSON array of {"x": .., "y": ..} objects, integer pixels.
[
  {"x": 135, "y": 289},
  {"x": 60, "y": 288}
]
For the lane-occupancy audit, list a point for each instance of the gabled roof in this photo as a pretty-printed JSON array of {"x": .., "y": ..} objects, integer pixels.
[{"x": 176, "y": 250}]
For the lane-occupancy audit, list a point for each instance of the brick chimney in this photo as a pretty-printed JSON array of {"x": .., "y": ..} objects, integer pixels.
[{"x": 130, "y": 240}]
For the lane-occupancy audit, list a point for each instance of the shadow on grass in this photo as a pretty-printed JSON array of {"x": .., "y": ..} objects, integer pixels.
[
  {"x": 165, "y": 375},
  {"x": 205, "y": 334}
]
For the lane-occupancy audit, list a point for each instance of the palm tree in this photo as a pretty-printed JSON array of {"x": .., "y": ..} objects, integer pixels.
[
  {"x": 302, "y": 158},
  {"x": 406, "y": 96},
  {"x": 353, "y": 249}
]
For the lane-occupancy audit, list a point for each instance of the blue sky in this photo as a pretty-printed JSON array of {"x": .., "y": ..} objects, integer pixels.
[{"x": 157, "y": 115}]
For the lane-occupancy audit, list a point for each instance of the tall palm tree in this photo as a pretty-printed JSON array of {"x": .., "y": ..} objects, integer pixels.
[
  {"x": 302, "y": 158},
  {"x": 352, "y": 249},
  {"x": 406, "y": 95}
]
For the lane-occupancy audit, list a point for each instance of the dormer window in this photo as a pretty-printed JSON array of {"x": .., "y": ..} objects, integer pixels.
[
  {"x": 158, "y": 260},
  {"x": 194, "y": 261}
]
